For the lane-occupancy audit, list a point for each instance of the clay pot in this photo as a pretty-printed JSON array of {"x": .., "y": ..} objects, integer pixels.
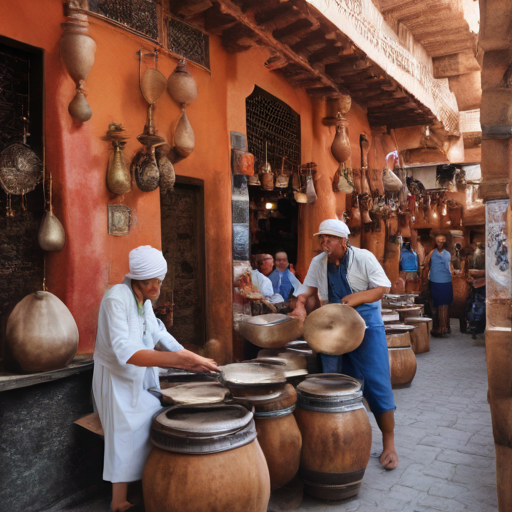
[
  {"x": 267, "y": 180},
  {"x": 402, "y": 364},
  {"x": 41, "y": 333},
  {"x": 340, "y": 147},
  {"x": 184, "y": 139},
  {"x": 420, "y": 337},
  {"x": 336, "y": 436},
  {"x": 278, "y": 435},
  {"x": 119, "y": 180},
  {"x": 51, "y": 236},
  {"x": 206, "y": 459},
  {"x": 181, "y": 86}
]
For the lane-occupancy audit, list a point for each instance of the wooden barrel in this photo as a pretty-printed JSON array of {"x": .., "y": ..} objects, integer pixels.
[
  {"x": 278, "y": 434},
  {"x": 402, "y": 364},
  {"x": 409, "y": 311},
  {"x": 205, "y": 458},
  {"x": 336, "y": 435},
  {"x": 396, "y": 337},
  {"x": 420, "y": 337}
]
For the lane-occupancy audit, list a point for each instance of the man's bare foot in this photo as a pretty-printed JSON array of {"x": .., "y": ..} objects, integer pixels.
[
  {"x": 388, "y": 459},
  {"x": 121, "y": 507}
]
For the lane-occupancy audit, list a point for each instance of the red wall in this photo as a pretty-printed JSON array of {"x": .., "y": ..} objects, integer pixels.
[{"x": 77, "y": 157}]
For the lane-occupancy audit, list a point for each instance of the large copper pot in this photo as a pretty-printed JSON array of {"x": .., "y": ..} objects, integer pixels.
[
  {"x": 41, "y": 333},
  {"x": 205, "y": 458},
  {"x": 402, "y": 364},
  {"x": 270, "y": 331},
  {"x": 336, "y": 435}
]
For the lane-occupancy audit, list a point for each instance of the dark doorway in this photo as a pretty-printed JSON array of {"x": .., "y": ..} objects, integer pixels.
[
  {"x": 21, "y": 96},
  {"x": 273, "y": 136},
  {"x": 182, "y": 216}
]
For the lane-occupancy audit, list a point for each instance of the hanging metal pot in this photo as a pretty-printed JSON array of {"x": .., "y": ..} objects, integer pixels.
[
  {"x": 119, "y": 180},
  {"x": 77, "y": 50},
  {"x": 181, "y": 86},
  {"x": 184, "y": 139},
  {"x": 51, "y": 236}
]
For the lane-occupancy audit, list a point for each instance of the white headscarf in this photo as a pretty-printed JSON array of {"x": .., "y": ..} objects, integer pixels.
[{"x": 146, "y": 262}]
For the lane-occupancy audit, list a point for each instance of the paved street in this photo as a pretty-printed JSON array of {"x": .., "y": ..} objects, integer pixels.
[
  {"x": 443, "y": 436},
  {"x": 444, "y": 441}
]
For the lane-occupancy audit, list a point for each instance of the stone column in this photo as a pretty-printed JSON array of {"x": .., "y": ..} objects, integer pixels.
[{"x": 496, "y": 119}]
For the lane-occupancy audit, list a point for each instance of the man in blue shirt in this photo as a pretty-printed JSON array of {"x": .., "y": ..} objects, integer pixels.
[{"x": 283, "y": 280}]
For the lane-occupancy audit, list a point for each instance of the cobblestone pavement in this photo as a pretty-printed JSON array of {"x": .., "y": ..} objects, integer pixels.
[{"x": 443, "y": 438}]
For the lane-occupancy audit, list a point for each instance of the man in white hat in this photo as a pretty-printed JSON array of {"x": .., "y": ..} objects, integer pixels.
[
  {"x": 352, "y": 276},
  {"x": 126, "y": 366}
]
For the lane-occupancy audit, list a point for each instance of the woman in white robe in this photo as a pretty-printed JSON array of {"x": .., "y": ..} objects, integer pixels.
[{"x": 126, "y": 366}]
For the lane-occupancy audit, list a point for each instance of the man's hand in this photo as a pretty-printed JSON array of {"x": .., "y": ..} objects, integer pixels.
[
  {"x": 190, "y": 361},
  {"x": 351, "y": 301},
  {"x": 299, "y": 311}
]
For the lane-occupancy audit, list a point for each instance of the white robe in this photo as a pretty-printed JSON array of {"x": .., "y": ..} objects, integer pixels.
[{"x": 119, "y": 389}]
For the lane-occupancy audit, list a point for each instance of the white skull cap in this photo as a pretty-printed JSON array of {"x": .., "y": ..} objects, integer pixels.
[
  {"x": 333, "y": 227},
  {"x": 146, "y": 262}
]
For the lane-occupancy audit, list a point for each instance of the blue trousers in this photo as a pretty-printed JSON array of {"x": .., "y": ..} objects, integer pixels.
[{"x": 369, "y": 363}]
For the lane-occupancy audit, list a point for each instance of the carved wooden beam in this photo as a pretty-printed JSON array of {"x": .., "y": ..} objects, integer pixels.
[
  {"x": 267, "y": 39},
  {"x": 189, "y": 8}
]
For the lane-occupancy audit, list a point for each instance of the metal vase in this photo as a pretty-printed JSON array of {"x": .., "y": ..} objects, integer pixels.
[
  {"x": 119, "y": 180},
  {"x": 77, "y": 50},
  {"x": 51, "y": 236}
]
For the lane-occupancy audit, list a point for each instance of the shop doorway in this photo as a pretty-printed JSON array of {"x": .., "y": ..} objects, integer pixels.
[
  {"x": 182, "y": 301},
  {"x": 273, "y": 137}
]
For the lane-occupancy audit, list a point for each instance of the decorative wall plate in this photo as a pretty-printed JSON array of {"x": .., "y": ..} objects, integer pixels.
[{"x": 119, "y": 217}]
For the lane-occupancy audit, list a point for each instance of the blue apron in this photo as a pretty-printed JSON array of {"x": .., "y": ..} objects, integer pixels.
[{"x": 369, "y": 362}]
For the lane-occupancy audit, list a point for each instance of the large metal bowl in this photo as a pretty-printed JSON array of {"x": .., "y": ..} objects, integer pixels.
[{"x": 271, "y": 331}]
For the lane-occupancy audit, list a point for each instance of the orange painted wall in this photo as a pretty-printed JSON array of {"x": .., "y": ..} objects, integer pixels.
[{"x": 75, "y": 154}]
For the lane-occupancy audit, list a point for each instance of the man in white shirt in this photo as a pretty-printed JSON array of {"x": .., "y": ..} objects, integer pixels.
[
  {"x": 352, "y": 276},
  {"x": 126, "y": 366}
]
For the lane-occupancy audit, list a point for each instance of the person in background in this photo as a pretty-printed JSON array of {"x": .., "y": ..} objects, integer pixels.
[
  {"x": 126, "y": 366},
  {"x": 283, "y": 280},
  {"x": 439, "y": 269},
  {"x": 265, "y": 264},
  {"x": 408, "y": 259},
  {"x": 353, "y": 276}
]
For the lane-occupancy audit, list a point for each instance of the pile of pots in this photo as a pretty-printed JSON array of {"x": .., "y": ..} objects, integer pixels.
[{"x": 225, "y": 441}]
